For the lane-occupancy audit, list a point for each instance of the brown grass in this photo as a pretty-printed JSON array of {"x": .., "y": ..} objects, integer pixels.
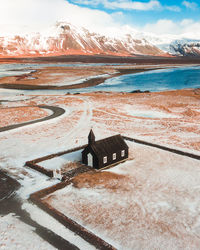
[
  {"x": 106, "y": 180},
  {"x": 70, "y": 166},
  {"x": 54, "y": 75},
  {"x": 10, "y": 116}
]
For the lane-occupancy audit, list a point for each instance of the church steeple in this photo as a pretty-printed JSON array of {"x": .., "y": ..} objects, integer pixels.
[{"x": 91, "y": 137}]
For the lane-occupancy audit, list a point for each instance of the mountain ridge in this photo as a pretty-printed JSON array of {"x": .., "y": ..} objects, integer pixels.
[{"x": 67, "y": 39}]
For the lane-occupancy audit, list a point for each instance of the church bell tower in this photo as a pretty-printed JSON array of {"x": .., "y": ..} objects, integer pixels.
[{"x": 91, "y": 138}]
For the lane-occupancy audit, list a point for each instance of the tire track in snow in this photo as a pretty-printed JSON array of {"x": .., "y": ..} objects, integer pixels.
[{"x": 84, "y": 120}]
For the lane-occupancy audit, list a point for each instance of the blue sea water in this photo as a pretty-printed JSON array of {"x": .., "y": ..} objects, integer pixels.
[{"x": 154, "y": 81}]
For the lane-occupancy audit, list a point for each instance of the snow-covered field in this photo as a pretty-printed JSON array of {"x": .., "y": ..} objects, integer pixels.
[
  {"x": 149, "y": 113},
  {"x": 157, "y": 191},
  {"x": 52, "y": 74},
  {"x": 52, "y": 224},
  {"x": 62, "y": 161},
  {"x": 14, "y": 234},
  {"x": 150, "y": 202},
  {"x": 107, "y": 114},
  {"x": 36, "y": 140},
  {"x": 10, "y": 116}
]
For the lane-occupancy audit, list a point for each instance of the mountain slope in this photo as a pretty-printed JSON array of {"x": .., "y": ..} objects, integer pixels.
[
  {"x": 179, "y": 45},
  {"x": 68, "y": 39},
  {"x": 185, "y": 47}
]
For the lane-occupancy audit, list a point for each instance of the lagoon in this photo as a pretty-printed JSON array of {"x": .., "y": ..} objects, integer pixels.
[{"x": 154, "y": 81}]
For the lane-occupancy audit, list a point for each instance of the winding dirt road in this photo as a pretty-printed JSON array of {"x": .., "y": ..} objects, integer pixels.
[
  {"x": 10, "y": 203},
  {"x": 57, "y": 111}
]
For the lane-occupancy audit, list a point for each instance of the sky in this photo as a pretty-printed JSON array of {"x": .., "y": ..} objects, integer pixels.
[{"x": 159, "y": 17}]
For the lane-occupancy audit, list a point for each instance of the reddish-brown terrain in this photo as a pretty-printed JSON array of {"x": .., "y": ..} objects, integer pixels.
[
  {"x": 67, "y": 39},
  {"x": 153, "y": 196},
  {"x": 15, "y": 115}
]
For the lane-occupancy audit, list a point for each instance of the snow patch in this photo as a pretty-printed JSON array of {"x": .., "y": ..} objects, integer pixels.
[
  {"x": 14, "y": 234},
  {"x": 49, "y": 222},
  {"x": 60, "y": 161}
]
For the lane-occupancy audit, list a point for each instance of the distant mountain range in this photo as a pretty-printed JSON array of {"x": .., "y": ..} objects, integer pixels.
[
  {"x": 185, "y": 47},
  {"x": 67, "y": 39}
]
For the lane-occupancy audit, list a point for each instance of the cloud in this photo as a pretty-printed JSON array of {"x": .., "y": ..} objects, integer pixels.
[
  {"x": 190, "y": 5},
  {"x": 188, "y": 27},
  {"x": 121, "y": 4},
  {"x": 191, "y": 27},
  {"x": 128, "y": 5},
  {"x": 151, "y": 5},
  {"x": 26, "y": 16},
  {"x": 173, "y": 8},
  {"x": 163, "y": 26}
]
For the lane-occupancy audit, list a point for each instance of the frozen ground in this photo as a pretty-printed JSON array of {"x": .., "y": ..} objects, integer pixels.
[
  {"x": 34, "y": 141},
  {"x": 164, "y": 191},
  {"x": 150, "y": 202},
  {"x": 78, "y": 79},
  {"x": 107, "y": 114},
  {"x": 149, "y": 113},
  {"x": 61, "y": 161},
  {"x": 14, "y": 234},
  {"x": 57, "y": 76},
  {"x": 52, "y": 224},
  {"x": 16, "y": 115}
]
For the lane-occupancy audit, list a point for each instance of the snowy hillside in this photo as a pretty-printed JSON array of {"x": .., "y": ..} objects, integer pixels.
[
  {"x": 185, "y": 47},
  {"x": 182, "y": 45},
  {"x": 65, "y": 38}
]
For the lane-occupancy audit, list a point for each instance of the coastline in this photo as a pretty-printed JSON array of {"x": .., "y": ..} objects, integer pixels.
[
  {"x": 84, "y": 84},
  {"x": 89, "y": 73}
]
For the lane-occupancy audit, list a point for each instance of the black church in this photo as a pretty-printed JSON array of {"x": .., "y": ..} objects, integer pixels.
[{"x": 105, "y": 152}]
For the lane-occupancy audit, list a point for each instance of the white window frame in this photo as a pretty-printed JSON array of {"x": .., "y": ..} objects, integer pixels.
[
  {"x": 105, "y": 159},
  {"x": 114, "y": 156},
  {"x": 122, "y": 153}
]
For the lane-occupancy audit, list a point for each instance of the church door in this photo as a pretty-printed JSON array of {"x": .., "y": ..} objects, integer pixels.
[{"x": 90, "y": 160}]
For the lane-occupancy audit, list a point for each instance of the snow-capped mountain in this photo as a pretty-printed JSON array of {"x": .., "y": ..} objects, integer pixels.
[
  {"x": 180, "y": 45},
  {"x": 65, "y": 38},
  {"x": 185, "y": 47}
]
